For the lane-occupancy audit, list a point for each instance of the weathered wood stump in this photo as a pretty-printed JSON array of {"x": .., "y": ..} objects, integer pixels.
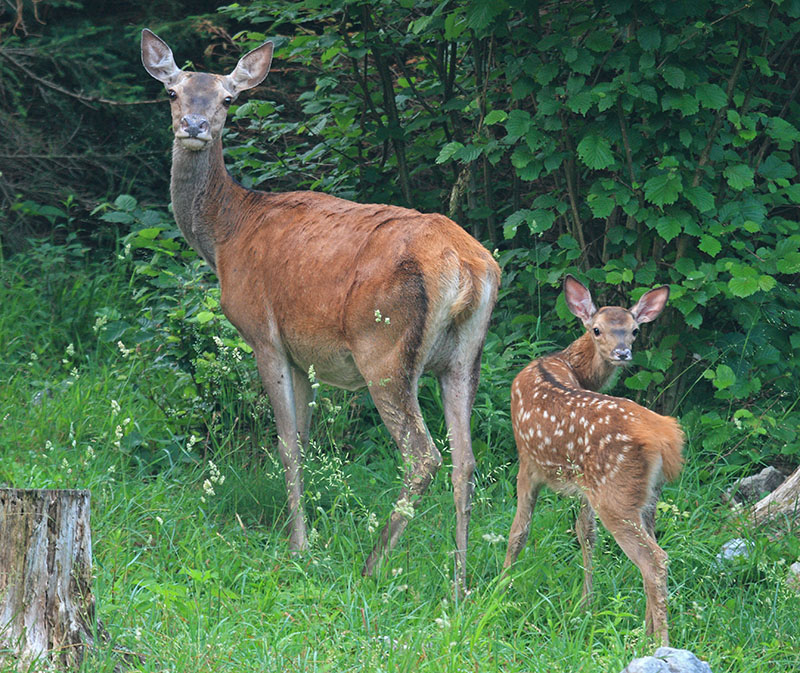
[
  {"x": 783, "y": 501},
  {"x": 46, "y": 602}
]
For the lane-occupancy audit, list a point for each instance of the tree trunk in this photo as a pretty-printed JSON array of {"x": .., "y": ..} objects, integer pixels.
[
  {"x": 783, "y": 501},
  {"x": 46, "y": 603}
]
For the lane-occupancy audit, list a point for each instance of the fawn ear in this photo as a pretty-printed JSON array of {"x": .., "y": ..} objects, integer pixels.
[
  {"x": 579, "y": 301},
  {"x": 651, "y": 304}
]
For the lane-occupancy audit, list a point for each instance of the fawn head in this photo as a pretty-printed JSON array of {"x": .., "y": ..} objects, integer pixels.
[
  {"x": 613, "y": 328},
  {"x": 200, "y": 101}
]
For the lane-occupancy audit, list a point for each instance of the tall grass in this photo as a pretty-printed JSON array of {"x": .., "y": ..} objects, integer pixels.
[{"x": 193, "y": 571}]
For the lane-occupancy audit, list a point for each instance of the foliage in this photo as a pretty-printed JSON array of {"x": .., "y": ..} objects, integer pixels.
[
  {"x": 634, "y": 144},
  {"x": 192, "y": 568}
]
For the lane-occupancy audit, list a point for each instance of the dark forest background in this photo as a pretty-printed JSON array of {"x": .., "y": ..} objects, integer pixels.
[{"x": 630, "y": 143}]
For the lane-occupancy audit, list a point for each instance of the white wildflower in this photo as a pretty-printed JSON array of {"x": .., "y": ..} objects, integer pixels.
[
  {"x": 208, "y": 489},
  {"x": 372, "y": 522},
  {"x": 115, "y": 408},
  {"x": 405, "y": 507},
  {"x": 493, "y": 538}
]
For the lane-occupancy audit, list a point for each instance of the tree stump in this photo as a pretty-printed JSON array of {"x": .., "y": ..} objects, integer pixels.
[
  {"x": 46, "y": 602},
  {"x": 783, "y": 501}
]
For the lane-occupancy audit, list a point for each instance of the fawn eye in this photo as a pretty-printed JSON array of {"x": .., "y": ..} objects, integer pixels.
[
  {"x": 172, "y": 95},
  {"x": 596, "y": 331},
  {"x": 227, "y": 101},
  {"x": 635, "y": 331}
]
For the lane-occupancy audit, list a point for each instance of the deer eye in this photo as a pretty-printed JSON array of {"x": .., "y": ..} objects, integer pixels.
[
  {"x": 172, "y": 95},
  {"x": 596, "y": 331},
  {"x": 635, "y": 331},
  {"x": 227, "y": 101}
]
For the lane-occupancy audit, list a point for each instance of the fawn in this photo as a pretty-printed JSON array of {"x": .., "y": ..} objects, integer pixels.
[{"x": 612, "y": 452}]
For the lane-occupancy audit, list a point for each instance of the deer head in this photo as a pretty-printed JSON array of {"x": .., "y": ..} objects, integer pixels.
[
  {"x": 200, "y": 101},
  {"x": 613, "y": 329}
]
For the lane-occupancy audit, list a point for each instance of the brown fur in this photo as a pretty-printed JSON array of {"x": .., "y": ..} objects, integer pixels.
[
  {"x": 612, "y": 452},
  {"x": 368, "y": 294}
]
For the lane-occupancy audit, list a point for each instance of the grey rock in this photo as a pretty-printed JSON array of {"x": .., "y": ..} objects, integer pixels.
[
  {"x": 733, "y": 549},
  {"x": 668, "y": 660},
  {"x": 751, "y": 489},
  {"x": 793, "y": 578}
]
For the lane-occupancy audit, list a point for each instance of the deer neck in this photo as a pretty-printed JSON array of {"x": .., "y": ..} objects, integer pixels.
[
  {"x": 201, "y": 188},
  {"x": 591, "y": 369}
]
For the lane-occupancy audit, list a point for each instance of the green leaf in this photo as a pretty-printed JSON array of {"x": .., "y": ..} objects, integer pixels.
[
  {"x": 709, "y": 245},
  {"x": 599, "y": 40},
  {"x": 448, "y": 151},
  {"x": 513, "y": 221},
  {"x": 775, "y": 168},
  {"x": 668, "y": 227},
  {"x": 649, "y": 37},
  {"x": 468, "y": 153},
  {"x": 663, "y": 189},
  {"x": 793, "y": 192},
  {"x": 711, "y": 96},
  {"x": 743, "y": 286},
  {"x": 125, "y": 202},
  {"x": 739, "y": 176},
  {"x": 546, "y": 74},
  {"x": 789, "y": 263},
  {"x": 494, "y": 117},
  {"x": 204, "y": 316},
  {"x": 700, "y": 198},
  {"x": 674, "y": 76},
  {"x": 580, "y": 102},
  {"x": 517, "y": 124},
  {"x": 600, "y": 205},
  {"x": 723, "y": 377},
  {"x": 595, "y": 152}
]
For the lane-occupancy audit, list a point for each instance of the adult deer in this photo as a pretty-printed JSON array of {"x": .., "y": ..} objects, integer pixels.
[
  {"x": 370, "y": 295},
  {"x": 610, "y": 451}
]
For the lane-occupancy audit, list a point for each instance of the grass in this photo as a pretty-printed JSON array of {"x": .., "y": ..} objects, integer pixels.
[{"x": 187, "y": 580}]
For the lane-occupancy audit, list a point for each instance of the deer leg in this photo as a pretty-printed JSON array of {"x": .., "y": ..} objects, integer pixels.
[
  {"x": 458, "y": 393},
  {"x": 397, "y": 404},
  {"x": 641, "y": 548},
  {"x": 304, "y": 396},
  {"x": 586, "y": 529},
  {"x": 276, "y": 375},
  {"x": 527, "y": 494}
]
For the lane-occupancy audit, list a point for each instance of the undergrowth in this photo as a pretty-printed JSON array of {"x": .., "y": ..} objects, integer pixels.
[{"x": 193, "y": 573}]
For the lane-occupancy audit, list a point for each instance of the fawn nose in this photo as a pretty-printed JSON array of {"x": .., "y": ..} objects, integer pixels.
[
  {"x": 622, "y": 353},
  {"x": 194, "y": 125}
]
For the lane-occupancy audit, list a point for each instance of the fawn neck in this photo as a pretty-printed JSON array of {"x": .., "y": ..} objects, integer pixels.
[
  {"x": 202, "y": 190},
  {"x": 591, "y": 369}
]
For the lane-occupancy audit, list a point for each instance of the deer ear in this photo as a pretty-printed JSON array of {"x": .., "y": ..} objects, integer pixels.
[
  {"x": 157, "y": 58},
  {"x": 650, "y": 304},
  {"x": 251, "y": 69},
  {"x": 579, "y": 301}
]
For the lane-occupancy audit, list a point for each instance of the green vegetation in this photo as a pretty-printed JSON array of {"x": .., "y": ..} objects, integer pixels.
[
  {"x": 629, "y": 143},
  {"x": 192, "y": 565}
]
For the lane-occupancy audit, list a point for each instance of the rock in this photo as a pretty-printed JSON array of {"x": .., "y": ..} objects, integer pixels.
[
  {"x": 753, "y": 488},
  {"x": 736, "y": 548},
  {"x": 793, "y": 578},
  {"x": 668, "y": 660}
]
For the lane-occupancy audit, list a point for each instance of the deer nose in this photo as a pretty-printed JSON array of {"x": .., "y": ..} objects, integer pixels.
[
  {"x": 622, "y": 353},
  {"x": 194, "y": 125}
]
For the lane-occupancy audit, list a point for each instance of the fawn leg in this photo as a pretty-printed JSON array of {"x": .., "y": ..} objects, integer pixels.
[
  {"x": 527, "y": 493},
  {"x": 641, "y": 548},
  {"x": 586, "y": 530}
]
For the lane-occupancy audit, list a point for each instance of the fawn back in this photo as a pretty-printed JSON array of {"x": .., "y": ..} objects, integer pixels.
[{"x": 609, "y": 450}]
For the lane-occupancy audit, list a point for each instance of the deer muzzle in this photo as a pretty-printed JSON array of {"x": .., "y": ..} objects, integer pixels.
[{"x": 194, "y": 131}]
